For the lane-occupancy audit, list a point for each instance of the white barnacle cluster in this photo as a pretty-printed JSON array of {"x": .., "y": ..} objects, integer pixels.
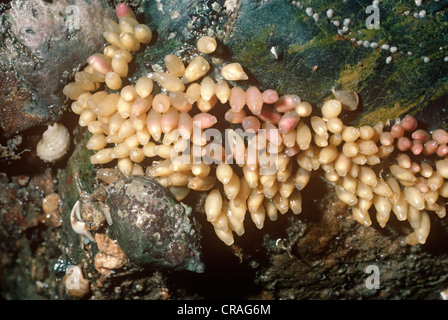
[
  {"x": 54, "y": 144},
  {"x": 143, "y": 131}
]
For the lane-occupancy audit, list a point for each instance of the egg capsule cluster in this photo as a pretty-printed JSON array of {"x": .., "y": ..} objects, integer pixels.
[{"x": 145, "y": 127}]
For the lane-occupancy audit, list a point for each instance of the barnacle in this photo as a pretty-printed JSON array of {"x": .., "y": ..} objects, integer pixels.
[{"x": 286, "y": 141}]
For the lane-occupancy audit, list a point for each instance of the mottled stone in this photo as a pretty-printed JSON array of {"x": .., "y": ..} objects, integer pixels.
[
  {"x": 151, "y": 227},
  {"x": 41, "y": 43}
]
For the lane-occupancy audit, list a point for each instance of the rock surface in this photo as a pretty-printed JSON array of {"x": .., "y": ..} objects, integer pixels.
[
  {"x": 41, "y": 44},
  {"x": 321, "y": 253}
]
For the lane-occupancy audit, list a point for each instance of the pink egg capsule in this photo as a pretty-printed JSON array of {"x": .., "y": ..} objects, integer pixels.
[
  {"x": 123, "y": 10},
  {"x": 288, "y": 122},
  {"x": 409, "y": 123},
  {"x": 100, "y": 63},
  {"x": 421, "y": 135},
  {"x": 237, "y": 98},
  {"x": 442, "y": 150},
  {"x": 254, "y": 100},
  {"x": 430, "y": 147},
  {"x": 251, "y": 123},
  {"x": 235, "y": 117},
  {"x": 417, "y": 147},
  {"x": 397, "y": 131},
  {"x": 270, "y": 96},
  {"x": 267, "y": 114},
  {"x": 153, "y": 124},
  {"x": 141, "y": 105},
  {"x": 404, "y": 144},
  {"x": 287, "y": 103},
  {"x": 204, "y": 120},
  {"x": 415, "y": 167},
  {"x": 185, "y": 125},
  {"x": 179, "y": 101},
  {"x": 441, "y": 136},
  {"x": 169, "y": 120}
]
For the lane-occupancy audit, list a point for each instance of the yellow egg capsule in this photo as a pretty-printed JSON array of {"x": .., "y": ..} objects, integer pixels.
[
  {"x": 331, "y": 109},
  {"x": 258, "y": 217},
  {"x": 271, "y": 209},
  {"x": 206, "y": 44},
  {"x": 233, "y": 72},
  {"x": 383, "y": 208},
  {"x": 102, "y": 156},
  {"x": 113, "y": 80},
  {"x": 213, "y": 204},
  {"x": 120, "y": 65},
  {"x": 414, "y": 198},
  {"x": 345, "y": 196},
  {"x": 130, "y": 41},
  {"x": 361, "y": 216},
  {"x": 143, "y": 33},
  {"x": 222, "y": 91},
  {"x": 169, "y": 82},
  {"x": 196, "y": 69},
  {"x": 144, "y": 86},
  {"x": 174, "y": 65},
  {"x": 208, "y": 87}
]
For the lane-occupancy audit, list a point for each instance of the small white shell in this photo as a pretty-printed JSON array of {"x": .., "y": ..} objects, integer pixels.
[
  {"x": 234, "y": 72},
  {"x": 54, "y": 144},
  {"x": 75, "y": 283}
]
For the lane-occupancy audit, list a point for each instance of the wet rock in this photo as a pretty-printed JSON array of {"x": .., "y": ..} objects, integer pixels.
[
  {"x": 153, "y": 229},
  {"x": 41, "y": 43},
  {"x": 21, "y": 206}
]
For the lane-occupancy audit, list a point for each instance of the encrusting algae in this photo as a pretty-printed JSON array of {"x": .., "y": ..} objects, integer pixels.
[{"x": 271, "y": 160}]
